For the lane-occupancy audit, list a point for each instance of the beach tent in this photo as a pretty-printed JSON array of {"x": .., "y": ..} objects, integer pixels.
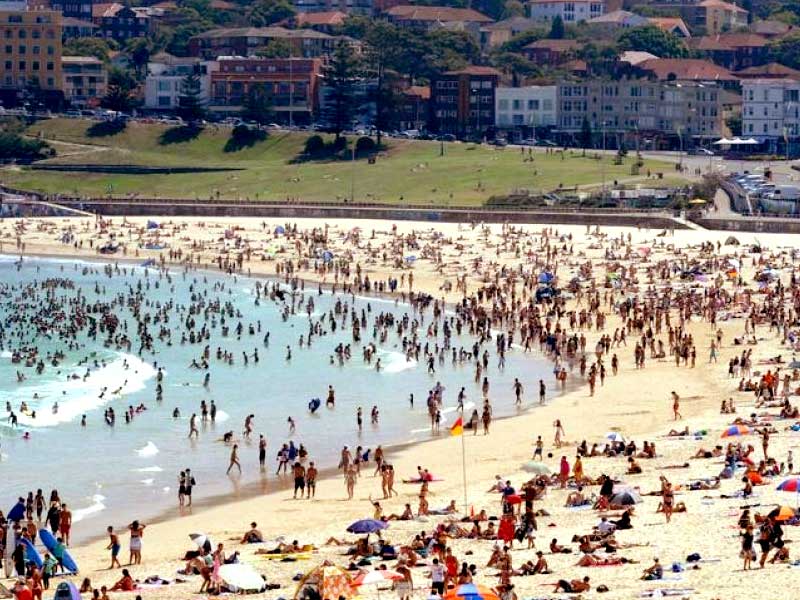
[
  {"x": 615, "y": 436},
  {"x": 783, "y": 513},
  {"x": 325, "y": 581},
  {"x": 239, "y": 577},
  {"x": 327, "y": 256},
  {"x": 66, "y": 590},
  {"x": 152, "y": 225},
  {"x": 279, "y": 230},
  {"x": 731, "y": 241},
  {"x": 625, "y": 496}
]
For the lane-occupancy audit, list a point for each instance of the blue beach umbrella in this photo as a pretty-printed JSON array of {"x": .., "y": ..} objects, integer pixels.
[
  {"x": 367, "y": 526},
  {"x": 327, "y": 256},
  {"x": 280, "y": 230}
]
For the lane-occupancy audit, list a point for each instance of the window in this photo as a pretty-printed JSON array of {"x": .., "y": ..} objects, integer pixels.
[
  {"x": 164, "y": 101},
  {"x": 502, "y": 104},
  {"x": 533, "y": 105},
  {"x": 35, "y": 65},
  {"x": 517, "y": 105},
  {"x": 518, "y": 119},
  {"x": 9, "y": 49},
  {"x": 50, "y": 82},
  {"x": 49, "y": 66},
  {"x": 15, "y": 18},
  {"x": 35, "y": 49},
  {"x": 22, "y": 49},
  {"x": 164, "y": 86},
  {"x": 36, "y": 34},
  {"x": 22, "y": 65},
  {"x": 22, "y": 34}
]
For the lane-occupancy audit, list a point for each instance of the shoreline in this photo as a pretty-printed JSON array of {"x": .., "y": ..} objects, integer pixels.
[
  {"x": 635, "y": 402},
  {"x": 266, "y": 485}
]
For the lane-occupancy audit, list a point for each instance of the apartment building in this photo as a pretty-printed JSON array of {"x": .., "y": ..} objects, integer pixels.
[
  {"x": 30, "y": 57},
  {"x": 771, "y": 113},
  {"x": 245, "y": 41},
  {"x": 667, "y": 114},
  {"x": 165, "y": 76},
  {"x": 292, "y": 84},
  {"x": 85, "y": 80},
  {"x": 570, "y": 11},
  {"x": 121, "y": 23},
  {"x": 709, "y": 17},
  {"x": 463, "y": 102},
  {"x": 523, "y": 110}
]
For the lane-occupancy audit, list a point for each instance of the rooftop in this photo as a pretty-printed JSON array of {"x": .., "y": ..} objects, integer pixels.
[
  {"x": 437, "y": 13},
  {"x": 721, "y": 4},
  {"x": 770, "y": 71},
  {"x": 686, "y": 69},
  {"x": 558, "y": 45},
  {"x": 331, "y": 17},
  {"x": 475, "y": 70},
  {"x": 262, "y": 32}
]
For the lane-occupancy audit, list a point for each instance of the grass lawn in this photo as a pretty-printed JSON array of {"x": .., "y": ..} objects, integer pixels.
[{"x": 412, "y": 172}]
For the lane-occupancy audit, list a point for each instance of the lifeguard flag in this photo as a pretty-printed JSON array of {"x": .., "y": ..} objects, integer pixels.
[{"x": 458, "y": 427}]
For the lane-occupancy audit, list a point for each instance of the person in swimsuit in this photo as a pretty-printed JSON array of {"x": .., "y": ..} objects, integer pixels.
[
  {"x": 65, "y": 524},
  {"x": 234, "y": 460},
  {"x": 114, "y": 546},
  {"x": 137, "y": 531},
  {"x": 299, "y": 472},
  {"x": 311, "y": 480}
]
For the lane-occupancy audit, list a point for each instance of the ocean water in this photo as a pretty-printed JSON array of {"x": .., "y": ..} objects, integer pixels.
[{"x": 113, "y": 474}]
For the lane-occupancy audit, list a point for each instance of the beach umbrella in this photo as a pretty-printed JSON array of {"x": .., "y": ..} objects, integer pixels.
[
  {"x": 513, "y": 499},
  {"x": 533, "y": 466},
  {"x": 783, "y": 513},
  {"x": 327, "y": 580},
  {"x": 470, "y": 591},
  {"x": 367, "y": 526},
  {"x": 789, "y": 485},
  {"x": 736, "y": 430},
  {"x": 625, "y": 497},
  {"x": 375, "y": 577},
  {"x": 279, "y": 230},
  {"x": 615, "y": 436},
  {"x": 545, "y": 277},
  {"x": 199, "y": 539},
  {"x": 327, "y": 256}
]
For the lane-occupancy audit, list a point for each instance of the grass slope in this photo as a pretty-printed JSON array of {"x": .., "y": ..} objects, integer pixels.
[{"x": 411, "y": 172}]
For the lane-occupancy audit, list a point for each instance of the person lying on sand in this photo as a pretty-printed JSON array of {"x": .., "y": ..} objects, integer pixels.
[
  {"x": 703, "y": 453},
  {"x": 574, "y": 586},
  {"x": 679, "y": 507},
  {"x": 282, "y": 548}
]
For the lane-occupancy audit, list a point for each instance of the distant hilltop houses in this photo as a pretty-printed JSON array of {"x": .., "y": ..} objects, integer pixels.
[{"x": 659, "y": 74}]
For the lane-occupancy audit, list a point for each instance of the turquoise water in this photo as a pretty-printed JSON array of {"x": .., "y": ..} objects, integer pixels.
[{"x": 113, "y": 474}]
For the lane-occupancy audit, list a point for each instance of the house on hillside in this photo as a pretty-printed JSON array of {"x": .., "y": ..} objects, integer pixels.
[
  {"x": 618, "y": 19},
  {"x": 495, "y": 34},
  {"x": 570, "y": 11},
  {"x": 733, "y": 51},
  {"x": 551, "y": 52},
  {"x": 121, "y": 23},
  {"x": 769, "y": 71},
  {"x": 687, "y": 69},
  {"x": 427, "y": 18},
  {"x": 674, "y": 25}
]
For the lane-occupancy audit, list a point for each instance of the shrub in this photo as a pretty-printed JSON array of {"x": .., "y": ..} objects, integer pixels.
[
  {"x": 314, "y": 145},
  {"x": 365, "y": 144}
]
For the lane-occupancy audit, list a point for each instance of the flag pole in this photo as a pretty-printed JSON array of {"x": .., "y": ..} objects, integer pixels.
[{"x": 464, "y": 464}]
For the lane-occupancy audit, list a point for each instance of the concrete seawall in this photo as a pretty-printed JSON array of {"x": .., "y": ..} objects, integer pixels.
[{"x": 655, "y": 219}]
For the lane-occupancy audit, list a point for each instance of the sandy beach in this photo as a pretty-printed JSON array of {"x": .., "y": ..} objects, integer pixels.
[{"x": 635, "y": 402}]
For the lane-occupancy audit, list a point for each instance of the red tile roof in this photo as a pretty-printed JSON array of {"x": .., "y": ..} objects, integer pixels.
[
  {"x": 331, "y": 17},
  {"x": 408, "y": 12},
  {"x": 555, "y": 45},
  {"x": 475, "y": 70},
  {"x": 770, "y": 70},
  {"x": 721, "y": 4},
  {"x": 686, "y": 69}
]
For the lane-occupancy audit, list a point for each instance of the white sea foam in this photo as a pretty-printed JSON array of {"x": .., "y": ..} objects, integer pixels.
[
  {"x": 148, "y": 481},
  {"x": 5, "y": 354},
  {"x": 153, "y": 469},
  {"x": 150, "y": 449},
  {"x": 395, "y": 362},
  {"x": 81, "y": 396},
  {"x": 96, "y": 506},
  {"x": 221, "y": 416}
]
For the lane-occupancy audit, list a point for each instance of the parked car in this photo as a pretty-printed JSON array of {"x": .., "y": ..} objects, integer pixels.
[
  {"x": 500, "y": 142},
  {"x": 527, "y": 142},
  {"x": 546, "y": 143}
]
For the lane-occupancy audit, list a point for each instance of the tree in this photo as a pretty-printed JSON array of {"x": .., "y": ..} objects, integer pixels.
[
  {"x": 88, "y": 46},
  {"x": 340, "y": 78},
  {"x": 263, "y": 13},
  {"x": 190, "y": 101},
  {"x": 786, "y": 51},
  {"x": 518, "y": 67},
  {"x": 277, "y": 48},
  {"x": 522, "y": 39},
  {"x": 599, "y": 61},
  {"x": 513, "y": 8},
  {"x": 654, "y": 40},
  {"x": 190, "y": 23},
  {"x": 119, "y": 91},
  {"x": 557, "y": 29},
  {"x": 139, "y": 49},
  {"x": 586, "y": 135},
  {"x": 258, "y": 104},
  {"x": 382, "y": 53}
]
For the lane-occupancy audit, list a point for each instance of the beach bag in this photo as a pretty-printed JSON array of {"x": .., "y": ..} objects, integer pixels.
[{"x": 694, "y": 557}]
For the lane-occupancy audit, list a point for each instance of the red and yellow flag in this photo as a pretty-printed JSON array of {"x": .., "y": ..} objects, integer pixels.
[{"x": 458, "y": 427}]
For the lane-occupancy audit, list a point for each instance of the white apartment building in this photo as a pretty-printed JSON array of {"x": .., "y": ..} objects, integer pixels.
[
  {"x": 165, "y": 77},
  {"x": 526, "y": 107},
  {"x": 771, "y": 111},
  {"x": 570, "y": 11}
]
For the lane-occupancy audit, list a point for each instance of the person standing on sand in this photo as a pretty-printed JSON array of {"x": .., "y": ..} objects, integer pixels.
[
  {"x": 350, "y": 481},
  {"x": 65, "y": 524},
  {"x": 234, "y": 460},
  {"x": 311, "y": 480},
  {"x": 764, "y": 443},
  {"x": 559, "y": 433},
  {"x": 299, "y": 473},
  {"x": 137, "y": 531},
  {"x": 114, "y": 546},
  {"x": 676, "y": 406},
  {"x": 542, "y": 391}
]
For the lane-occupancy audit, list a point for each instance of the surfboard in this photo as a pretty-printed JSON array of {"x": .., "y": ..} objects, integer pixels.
[
  {"x": 31, "y": 553},
  {"x": 50, "y": 542}
]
